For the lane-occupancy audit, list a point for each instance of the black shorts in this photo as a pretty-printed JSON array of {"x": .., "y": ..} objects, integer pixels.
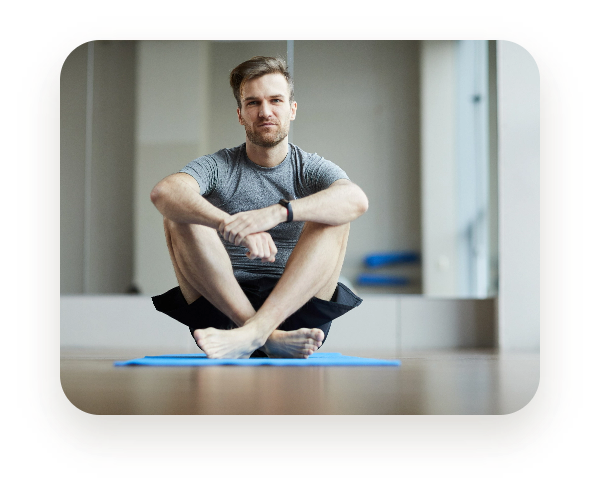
[{"x": 316, "y": 313}]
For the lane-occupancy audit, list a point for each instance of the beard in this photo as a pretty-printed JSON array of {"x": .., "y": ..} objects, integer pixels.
[{"x": 266, "y": 138}]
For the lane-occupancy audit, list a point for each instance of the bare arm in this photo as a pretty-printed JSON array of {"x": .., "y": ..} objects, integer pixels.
[
  {"x": 340, "y": 203},
  {"x": 178, "y": 198}
]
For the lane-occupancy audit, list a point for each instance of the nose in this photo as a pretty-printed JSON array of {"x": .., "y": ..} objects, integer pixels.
[{"x": 265, "y": 110}]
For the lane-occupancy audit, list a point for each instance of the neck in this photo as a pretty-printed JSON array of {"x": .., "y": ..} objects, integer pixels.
[{"x": 267, "y": 157}]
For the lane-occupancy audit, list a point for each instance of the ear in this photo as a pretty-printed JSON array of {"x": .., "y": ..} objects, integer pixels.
[
  {"x": 293, "y": 114},
  {"x": 239, "y": 116}
]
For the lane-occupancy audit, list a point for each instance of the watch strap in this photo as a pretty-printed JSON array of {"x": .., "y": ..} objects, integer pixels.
[{"x": 290, "y": 214}]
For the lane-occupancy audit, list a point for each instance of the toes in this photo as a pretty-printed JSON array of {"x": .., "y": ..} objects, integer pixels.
[{"x": 310, "y": 347}]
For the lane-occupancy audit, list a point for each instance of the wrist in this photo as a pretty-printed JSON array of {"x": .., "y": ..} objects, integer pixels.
[
  {"x": 289, "y": 213},
  {"x": 281, "y": 213}
]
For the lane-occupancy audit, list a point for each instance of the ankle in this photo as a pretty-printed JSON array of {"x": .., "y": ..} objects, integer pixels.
[{"x": 261, "y": 330}]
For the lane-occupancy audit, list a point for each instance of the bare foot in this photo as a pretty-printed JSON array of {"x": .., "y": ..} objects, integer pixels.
[
  {"x": 227, "y": 344},
  {"x": 293, "y": 344},
  {"x": 242, "y": 342}
]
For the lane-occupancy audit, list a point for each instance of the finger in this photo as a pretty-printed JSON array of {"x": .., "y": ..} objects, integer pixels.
[
  {"x": 225, "y": 227},
  {"x": 249, "y": 247},
  {"x": 236, "y": 239},
  {"x": 254, "y": 243},
  {"x": 225, "y": 233},
  {"x": 250, "y": 252},
  {"x": 239, "y": 232},
  {"x": 232, "y": 230},
  {"x": 260, "y": 249},
  {"x": 268, "y": 246},
  {"x": 268, "y": 253},
  {"x": 231, "y": 234},
  {"x": 260, "y": 245},
  {"x": 246, "y": 228},
  {"x": 257, "y": 249},
  {"x": 272, "y": 248},
  {"x": 253, "y": 252}
]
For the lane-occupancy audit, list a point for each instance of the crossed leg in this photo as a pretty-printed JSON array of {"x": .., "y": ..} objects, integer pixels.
[{"x": 203, "y": 269}]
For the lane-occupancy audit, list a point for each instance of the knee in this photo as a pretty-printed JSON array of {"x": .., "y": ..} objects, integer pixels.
[
  {"x": 188, "y": 232},
  {"x": 341, "y": 232},
  {"x": 336, "y": 234},
  {"x": 175, "y": 231},
  {"x": 344, "y": 228},
  {"x": 176, "y": 227},
  {"x": 172, "y": 229}
]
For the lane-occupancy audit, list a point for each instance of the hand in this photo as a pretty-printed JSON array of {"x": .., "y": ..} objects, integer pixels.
[
  {"x": 245, "y": 223},
  {"x": 260, "y": 245}
]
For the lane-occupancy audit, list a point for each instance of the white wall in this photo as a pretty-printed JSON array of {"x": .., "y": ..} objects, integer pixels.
[
  {"x": 358, "y": 106},
  {"x": 519, "y": 197},
  {"x": 172, "y": 101},
  {"x": 458, "y": 177},
  {"x": 73, "y": 96},
  {"x": 97, "y": 130},
  {"x": 438, "y": 168}
]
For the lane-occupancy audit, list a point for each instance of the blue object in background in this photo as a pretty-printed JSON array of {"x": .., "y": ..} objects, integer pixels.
[
  {"x": 383, "y": 259},
  {"x": 380, "y": 279},
  {"x": 200, "y": 359}
]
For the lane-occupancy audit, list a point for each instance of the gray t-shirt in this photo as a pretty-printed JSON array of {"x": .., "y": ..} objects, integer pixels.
[{"x": 233, "y": 183}]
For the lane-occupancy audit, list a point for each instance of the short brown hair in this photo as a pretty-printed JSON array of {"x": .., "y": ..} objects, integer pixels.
[{"x": 257, "y": 67}]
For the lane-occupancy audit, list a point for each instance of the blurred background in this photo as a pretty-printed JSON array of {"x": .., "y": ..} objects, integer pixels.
[{"x": 443, "y": 136}]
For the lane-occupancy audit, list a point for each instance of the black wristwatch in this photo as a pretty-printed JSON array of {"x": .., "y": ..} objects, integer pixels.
[{"x": 290, "y": 214}]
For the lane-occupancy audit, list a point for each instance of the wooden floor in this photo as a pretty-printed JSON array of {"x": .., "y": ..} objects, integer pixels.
[{"x": 465, "y": 382}]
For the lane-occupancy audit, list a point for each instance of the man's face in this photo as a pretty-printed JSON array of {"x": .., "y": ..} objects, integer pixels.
[{"x": 266, "y": 111}]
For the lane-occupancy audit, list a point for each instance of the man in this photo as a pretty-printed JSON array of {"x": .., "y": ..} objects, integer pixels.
[{"x": 257, "y": 234}]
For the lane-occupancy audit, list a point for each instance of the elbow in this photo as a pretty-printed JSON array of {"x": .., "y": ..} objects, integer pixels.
[
  {"x": 155, "y": 194},
  {"x": 158, "y": 193},
  {"x": 362, "y": 203},
  {"x": 365, "y": 204},
  {"x": 358, "y": 204}
]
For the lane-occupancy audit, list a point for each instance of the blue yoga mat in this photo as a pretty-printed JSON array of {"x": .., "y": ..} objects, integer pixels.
[{"x": 317, "y": 359}]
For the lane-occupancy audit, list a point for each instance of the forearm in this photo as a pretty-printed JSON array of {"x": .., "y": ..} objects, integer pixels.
[
  {"x": 178, "y": 200},
  {"x": 339, "y": 204}
]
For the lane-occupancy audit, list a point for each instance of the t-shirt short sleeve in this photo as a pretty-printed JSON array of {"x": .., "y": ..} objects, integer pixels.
[
  {"x": 319, "y": 174},
  {"x": 206, "y": 173}
]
